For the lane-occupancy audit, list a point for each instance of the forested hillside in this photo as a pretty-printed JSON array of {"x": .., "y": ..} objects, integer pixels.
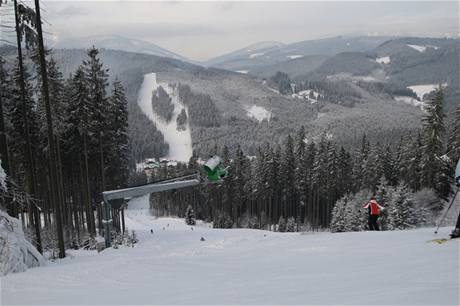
[{"x": 304, "y": 184}]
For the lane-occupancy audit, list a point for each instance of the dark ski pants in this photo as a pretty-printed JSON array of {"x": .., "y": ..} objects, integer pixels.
[{"x": 373, "y": 225}]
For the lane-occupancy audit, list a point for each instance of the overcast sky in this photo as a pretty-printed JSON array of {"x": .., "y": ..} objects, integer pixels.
[{"x": 201, "y": 30}]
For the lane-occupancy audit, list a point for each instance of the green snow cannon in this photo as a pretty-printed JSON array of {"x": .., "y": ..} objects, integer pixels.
[{"x": 213, "y": 169}]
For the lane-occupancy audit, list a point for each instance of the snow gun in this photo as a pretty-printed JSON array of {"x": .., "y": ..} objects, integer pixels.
[{"x": 214, "y": 170}]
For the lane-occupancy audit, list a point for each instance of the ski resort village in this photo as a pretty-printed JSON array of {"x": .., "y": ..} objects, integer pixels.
[{"x": 229, "y": 153}]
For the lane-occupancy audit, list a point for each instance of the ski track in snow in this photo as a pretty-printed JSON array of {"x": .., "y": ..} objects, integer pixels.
[
  {"x": 241, "y": 266},
  {"x": 180, "y": 142}
]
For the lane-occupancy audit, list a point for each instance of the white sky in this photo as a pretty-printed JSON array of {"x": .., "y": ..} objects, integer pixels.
[{"x": 201, "y": 30}]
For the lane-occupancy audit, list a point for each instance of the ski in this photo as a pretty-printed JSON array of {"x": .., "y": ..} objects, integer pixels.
[{"x": 441, "y": 240}]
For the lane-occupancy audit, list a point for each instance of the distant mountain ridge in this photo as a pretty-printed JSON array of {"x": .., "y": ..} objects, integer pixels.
[
  {"x": 116, "y": 42},
  {"x": 249, "y": 58}
]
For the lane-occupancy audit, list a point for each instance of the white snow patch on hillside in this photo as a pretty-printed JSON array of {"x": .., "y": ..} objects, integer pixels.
[
  {"x": 410, "y": 101},
  {"x": 294, "y": 56},
  {"x": 254, "y": 266},
  {"x": 422, "y": 90},
  {"x": 180, "y": 142},
  {"x": 254, "y": 55},
  {"x": 2, "y": 177},
  {"x": 383, "y": 60},
  {"x": 308, "y": 95},
  {"x": 422, "y": 48},
  {"x": 258, "y": 112},
  {"x": 242, "y": 71}
]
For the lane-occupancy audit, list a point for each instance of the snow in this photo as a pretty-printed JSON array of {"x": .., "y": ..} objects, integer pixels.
[
  {"x": 422, "y": 90},
  {"x": 180, "y": 142},
  {"x": 259, "y": 113},
  {"x": 243, "y": 71},
  {"x": 305, "y": 95},
  {"x": 294, "y": 56},
  {"x": 2, "y": 177},
  {"x": 410, "y": 101},
  {"x": 383, "y": 60},
  {"x": 241, "y": 266},
  {"x": 16, "y": 253},
  {"x": 254, "y": 55},
  {"x": 422, "y": 48}
]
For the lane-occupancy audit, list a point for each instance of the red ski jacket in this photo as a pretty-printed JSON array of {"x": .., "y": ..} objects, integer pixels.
[{"x": 375, "y": 207}]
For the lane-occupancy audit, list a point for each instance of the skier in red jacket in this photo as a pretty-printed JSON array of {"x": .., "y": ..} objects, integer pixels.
[{"x": 374, "y": 211}]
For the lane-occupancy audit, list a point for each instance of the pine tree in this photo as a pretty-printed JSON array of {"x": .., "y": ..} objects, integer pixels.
[
  {"x": 402, "y": 212},
  {"x": 454, "y": 140},
  {"x": 288, "y": 170},
  {"x": 190, "y": 216},
  {"x": 281, "y": 225},
  {"x": 338, "y": 215},
  {"x": 433, "y": 149},
  {"x": 119, "y": 164},
  {"x": 291, "y": 225}
]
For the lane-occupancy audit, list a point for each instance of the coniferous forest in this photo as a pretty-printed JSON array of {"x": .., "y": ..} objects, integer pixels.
[
  {"x": 316, "y": 185},
  {"x": 89, "y": 119}
]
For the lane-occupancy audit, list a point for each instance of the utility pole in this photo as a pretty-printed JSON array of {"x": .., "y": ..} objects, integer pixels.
[
  {"x": 32, "y": 175},
  {"x": 52, "y": 150}
]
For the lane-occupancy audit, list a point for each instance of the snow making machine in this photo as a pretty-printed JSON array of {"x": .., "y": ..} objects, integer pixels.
[{"x": 113, "y": 198}]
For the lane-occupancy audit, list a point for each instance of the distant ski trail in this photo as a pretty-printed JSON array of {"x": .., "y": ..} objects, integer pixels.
[{"x": 180, "y": 142}]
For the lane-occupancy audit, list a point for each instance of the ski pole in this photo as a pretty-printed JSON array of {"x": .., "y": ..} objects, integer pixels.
[{"x": 445, "y": 213}]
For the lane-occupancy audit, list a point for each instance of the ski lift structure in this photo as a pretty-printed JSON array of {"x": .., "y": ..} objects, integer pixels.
[{"x": 115, "y": 199}]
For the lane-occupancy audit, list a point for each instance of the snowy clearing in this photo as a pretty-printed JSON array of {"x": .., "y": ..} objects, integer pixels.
[
  {"x": 308, "y": 95},
  {"x": 422, "y": 48},
  {"x": 253, "y": 267},
  {"x": 242, "y": 71},
  {"x": 180, "y": 142},
  {"x": 294, "y": 56},
  {"x": 421, "y": 90},
  {"x": 383, "y": 60},
  {"x": 410, "y": 101},
  {"x": 259, "y": 113}
]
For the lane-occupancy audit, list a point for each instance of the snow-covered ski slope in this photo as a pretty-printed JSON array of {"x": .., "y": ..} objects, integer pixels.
[
  {"x": 180, "y": 142},
  {"x": 247, "y": 267}
]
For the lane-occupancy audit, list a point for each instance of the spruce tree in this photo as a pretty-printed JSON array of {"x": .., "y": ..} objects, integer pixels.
[
  {"x": 190, "y": 216},
  {"x": 433, "y": 148},
  {"x": 281, "y": 225},
  {"x": 454, "y": 140}
]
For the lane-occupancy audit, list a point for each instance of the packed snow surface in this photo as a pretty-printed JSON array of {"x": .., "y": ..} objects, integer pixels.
[
  {"x": 180, "y": 142},
  {"x": 239, "y": 266},
  {"x": 422, "y": 90},
  {"x": 259, "y": 113},
  {"x": 383, "y": 60}
]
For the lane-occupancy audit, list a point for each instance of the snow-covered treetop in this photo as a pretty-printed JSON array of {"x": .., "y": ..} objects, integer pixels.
[{"x": 2, "y": 177}]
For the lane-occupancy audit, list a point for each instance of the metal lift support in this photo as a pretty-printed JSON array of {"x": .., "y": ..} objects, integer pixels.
[
  {"x": 212, "y": 167},
  {"x": 133, "y": 192}
]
